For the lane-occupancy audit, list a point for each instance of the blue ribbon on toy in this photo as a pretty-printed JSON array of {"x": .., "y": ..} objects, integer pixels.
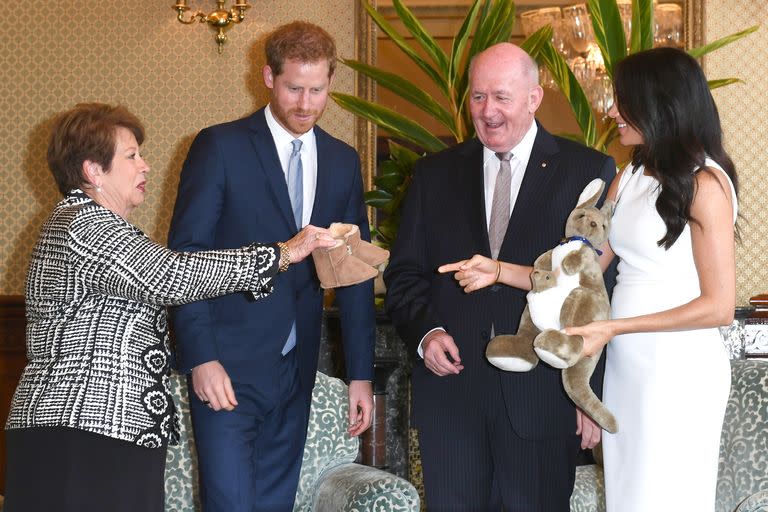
[{"x": 581, "y": 239}]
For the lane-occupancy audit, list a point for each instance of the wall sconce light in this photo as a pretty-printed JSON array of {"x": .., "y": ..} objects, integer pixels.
[{"x": 219, "y": 20}]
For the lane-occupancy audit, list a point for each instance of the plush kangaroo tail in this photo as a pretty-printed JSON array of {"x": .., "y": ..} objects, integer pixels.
[{"x": 576, "y": 383}]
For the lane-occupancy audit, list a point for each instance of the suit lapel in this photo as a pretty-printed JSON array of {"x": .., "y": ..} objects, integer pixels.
[
  {"x": 269, "y": 164},
  {"x": 325, "y": 166},
  {"x": 542, "y": 166},
  {"x": 471, "y": 162}
]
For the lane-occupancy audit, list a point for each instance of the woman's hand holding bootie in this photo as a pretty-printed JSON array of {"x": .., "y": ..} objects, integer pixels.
[
  {"x": 350, "y": 260},
  {"x": 307, "y": 240}
]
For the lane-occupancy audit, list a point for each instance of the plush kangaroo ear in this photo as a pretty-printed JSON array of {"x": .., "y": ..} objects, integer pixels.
[{"x": 591, "y": 193}]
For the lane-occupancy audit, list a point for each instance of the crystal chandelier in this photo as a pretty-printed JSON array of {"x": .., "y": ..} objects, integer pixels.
[{"x": 573, "y": 37}]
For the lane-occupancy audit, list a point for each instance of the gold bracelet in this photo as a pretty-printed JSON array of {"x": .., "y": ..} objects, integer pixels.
[
  {"x": 498, "y": 272},
  {"x": 285, "y": 257}
]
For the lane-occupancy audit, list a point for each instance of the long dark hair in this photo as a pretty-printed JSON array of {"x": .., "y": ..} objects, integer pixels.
[{"x": 663, "y": 94}]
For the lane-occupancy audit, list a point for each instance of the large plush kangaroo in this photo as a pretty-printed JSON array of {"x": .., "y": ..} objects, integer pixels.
[{"x": 568, "y": 290}]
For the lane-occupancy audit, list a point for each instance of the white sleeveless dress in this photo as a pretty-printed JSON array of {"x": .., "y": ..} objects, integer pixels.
[{"x": 668, "y": 390}]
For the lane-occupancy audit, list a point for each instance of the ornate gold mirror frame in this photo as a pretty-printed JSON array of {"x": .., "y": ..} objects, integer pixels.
[
  {"x": 365, "y": 131},
  {"x": 694, "y": 23}
]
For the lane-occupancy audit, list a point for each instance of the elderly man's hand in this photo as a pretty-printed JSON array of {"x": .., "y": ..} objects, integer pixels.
[
  {"x": 589, "y": 431},
  {"x": 438, "y": 346}
]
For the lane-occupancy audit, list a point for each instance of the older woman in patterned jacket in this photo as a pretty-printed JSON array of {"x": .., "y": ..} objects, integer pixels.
[{"x": 92, "y": 415}]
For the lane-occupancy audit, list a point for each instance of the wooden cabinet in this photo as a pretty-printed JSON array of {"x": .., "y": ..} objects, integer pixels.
[{"x": 12, "y": 360}]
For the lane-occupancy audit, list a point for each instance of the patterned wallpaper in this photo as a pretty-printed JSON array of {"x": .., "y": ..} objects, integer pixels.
[
  {"x": 132, "y": 52},
  {"x": 136, "y": 53},
  {"x": 744, "y": 113}
]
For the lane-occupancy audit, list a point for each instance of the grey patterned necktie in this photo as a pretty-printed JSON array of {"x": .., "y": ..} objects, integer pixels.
[
  {"x": 500, "y": 206},
  {"x": 296, "y": 182}
]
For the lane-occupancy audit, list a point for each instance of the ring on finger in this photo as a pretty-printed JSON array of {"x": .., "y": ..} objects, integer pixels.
[{"x": 205, "y": 402}]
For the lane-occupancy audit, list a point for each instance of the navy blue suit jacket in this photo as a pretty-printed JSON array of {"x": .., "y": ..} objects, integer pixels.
[
  {"x": 443, "y": 221},
  {"x": 233, "y": 192}
]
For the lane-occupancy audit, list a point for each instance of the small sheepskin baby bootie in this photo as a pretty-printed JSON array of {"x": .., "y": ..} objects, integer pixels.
[
  {"x": 362, "y": 250},
  {"x": 337, "y": 266}
]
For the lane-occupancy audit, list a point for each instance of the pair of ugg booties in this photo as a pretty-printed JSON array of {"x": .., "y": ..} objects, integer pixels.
[{"x": 352, "y": 260}]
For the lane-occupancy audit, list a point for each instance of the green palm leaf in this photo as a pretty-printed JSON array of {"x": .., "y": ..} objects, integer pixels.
[
  {"x": 388, "y": 181},
  {"x": 606, "y": 138},
  {"x": 387, "y": 231},
  {"x": 422, "y": 36},
  {"x": 401, "y": 43},
  {"x": 722, "y": 82},
  {"x": 485, "y": 12},
  {"x": 399, "y": 125},
  {"x": 642, "y": 26},
  {"x": 609, "y": 32},
  {"x": 460, "y": 42},
  {"x": 533, "y": 43},
  {"x": 377, "y": 198},
  {"x": 714, "y": 45},
  {"x": 456, "y": 78},
  {"x": 504, "y": 22},
  {"x": 494, "y": 26},
  {"x": 571, "y": 90},
  {"x": 395, "y": 180},
  {"x": 405, "y": 157},
  {"x": 406, "y": 90}
]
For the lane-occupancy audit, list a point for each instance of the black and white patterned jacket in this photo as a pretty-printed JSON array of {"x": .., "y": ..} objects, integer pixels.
[{"x": 97, "y": 333}]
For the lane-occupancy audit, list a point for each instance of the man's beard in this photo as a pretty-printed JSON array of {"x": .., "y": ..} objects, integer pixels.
[{"x": 287, "y": 119}]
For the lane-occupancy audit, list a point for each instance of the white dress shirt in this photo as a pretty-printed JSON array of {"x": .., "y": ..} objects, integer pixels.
[{"x": 284, "y": 143}]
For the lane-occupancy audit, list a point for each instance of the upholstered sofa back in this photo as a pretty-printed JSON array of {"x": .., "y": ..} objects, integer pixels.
[{"x": 743, "y": 468}]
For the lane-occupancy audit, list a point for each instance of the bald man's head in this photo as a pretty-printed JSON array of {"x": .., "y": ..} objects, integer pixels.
[{"x": 504, "y": 95}]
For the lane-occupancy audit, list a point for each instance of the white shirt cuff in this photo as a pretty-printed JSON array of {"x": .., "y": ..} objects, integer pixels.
[{"x": 419, "y": 349}]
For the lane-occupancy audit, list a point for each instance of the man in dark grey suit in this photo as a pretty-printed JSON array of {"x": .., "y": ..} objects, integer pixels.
[{"x": 489, "y": 439}]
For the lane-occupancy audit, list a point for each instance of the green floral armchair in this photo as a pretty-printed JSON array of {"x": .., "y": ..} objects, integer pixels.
[
  {"x": 329, "y": 481},
  {"x": 742, "y": 481}
]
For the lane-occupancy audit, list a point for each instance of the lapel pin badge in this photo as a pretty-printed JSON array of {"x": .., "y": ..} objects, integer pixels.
[{"x": 543, "y": 164}]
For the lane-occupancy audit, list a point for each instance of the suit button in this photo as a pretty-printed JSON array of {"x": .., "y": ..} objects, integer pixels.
[
  {"x": 484, "y": 334},
  {"x": 495, "y": 288}
]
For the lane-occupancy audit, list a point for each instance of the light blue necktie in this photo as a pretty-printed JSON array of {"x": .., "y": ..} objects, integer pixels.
[
  {"x": 296, "y": 191},
  {"x": 296, "y": 182}
]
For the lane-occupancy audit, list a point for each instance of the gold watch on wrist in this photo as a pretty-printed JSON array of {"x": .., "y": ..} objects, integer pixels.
[{"x": 285, "y": 257}]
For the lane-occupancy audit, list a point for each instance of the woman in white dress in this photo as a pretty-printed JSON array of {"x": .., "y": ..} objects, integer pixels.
[{"x": 667, "y": 374}]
